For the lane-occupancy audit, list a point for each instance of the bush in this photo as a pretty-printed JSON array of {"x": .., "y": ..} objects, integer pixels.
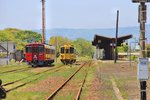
[{"x": 133, "y": 57}]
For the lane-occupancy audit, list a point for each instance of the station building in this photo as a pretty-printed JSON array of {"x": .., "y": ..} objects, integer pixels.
[{"x": 7, "y": 51}]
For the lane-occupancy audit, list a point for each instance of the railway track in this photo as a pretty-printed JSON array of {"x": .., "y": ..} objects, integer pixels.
[
  {"x": 22, "y": 69},
  {"x": 80, "y": 89},
  {"x": 15, "y": 70},
  {"x": 23, "y": 84},
  {"x": 63, "y": 84},
  {"x": 31, "y": 75}
]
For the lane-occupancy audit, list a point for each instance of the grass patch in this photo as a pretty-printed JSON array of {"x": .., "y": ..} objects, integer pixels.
[
  {"x": 18, "y": 95},
  {"x": 106, "y": 88},
  {"x": 13, "y": 66},
  {"x": 121, "y": 85},
  {"x": 14, "y": 76},
  {"x": 70, "y": 96},
  {"x": 65, "y": 73},
  {"x": 89, "y": 79},
  {"x": 85, "y": 58}
]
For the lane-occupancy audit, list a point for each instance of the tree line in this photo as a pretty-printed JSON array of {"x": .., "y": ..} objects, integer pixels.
[
  {"x": 83, "y": 47},
  {"x": 22, "y": 37}
]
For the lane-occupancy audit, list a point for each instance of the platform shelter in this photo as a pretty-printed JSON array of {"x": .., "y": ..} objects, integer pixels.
[{"x": 107, "y": 44}]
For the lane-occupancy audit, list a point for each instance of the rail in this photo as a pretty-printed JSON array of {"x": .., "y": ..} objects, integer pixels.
[
  {"x": 80, "y": 90},
  {"x": 63, "y": 84}
]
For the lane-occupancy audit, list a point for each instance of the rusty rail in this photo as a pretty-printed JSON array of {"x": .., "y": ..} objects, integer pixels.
[
  {"x": 31, "y": 76},
  {"x": 29, "y": 81},
  {"x": 14, "y": 70},
  {"x": 21, "y": 85},
  {"x": 63, "y": 84},
  {"x": 80, "y": 90}
]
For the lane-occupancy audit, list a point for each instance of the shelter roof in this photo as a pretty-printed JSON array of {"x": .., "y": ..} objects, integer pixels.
[{"x": 98, "y": 39}]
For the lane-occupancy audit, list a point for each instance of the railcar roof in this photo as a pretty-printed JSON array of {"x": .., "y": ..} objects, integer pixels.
[
  {"x": 38, "y": 44},
  {"x": 67, "y": 45},
  {"x": 35, "y": 44}
]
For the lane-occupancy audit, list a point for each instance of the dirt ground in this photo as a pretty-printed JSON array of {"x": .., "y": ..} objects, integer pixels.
[
  {"x": 40, "y": 69},
  {"x": 125, "y": 77},
  {"x": 47, "y": 85}
]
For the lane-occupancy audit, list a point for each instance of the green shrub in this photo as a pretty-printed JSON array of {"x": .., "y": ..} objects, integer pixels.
[{"x": 133, "y": 57}]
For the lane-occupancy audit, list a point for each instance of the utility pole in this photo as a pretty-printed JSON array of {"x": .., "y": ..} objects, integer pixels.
[
  {"x": 116, "y": 40},
  {"x": 43, "y": 21},
  {"x": 142, "y": 21}
]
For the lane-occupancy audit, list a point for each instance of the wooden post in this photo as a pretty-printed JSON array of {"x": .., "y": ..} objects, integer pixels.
[
  {"x": 142, "y": 44},
  {"x": 43, "y": 21}
]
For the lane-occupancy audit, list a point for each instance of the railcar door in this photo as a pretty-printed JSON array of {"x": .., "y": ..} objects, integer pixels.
[
  {"x": 41, "y": 52},
  {"x": 35, "y": 53},
  {"x": 62, "y": 53},
  {"x": 72, "y": 55}
]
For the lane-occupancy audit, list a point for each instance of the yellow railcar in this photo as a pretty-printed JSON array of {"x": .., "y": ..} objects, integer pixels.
[{"x": 67, "y": 54}]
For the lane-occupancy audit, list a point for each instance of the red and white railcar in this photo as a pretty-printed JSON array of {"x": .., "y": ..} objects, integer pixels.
[{"x": 38, "y": 54}]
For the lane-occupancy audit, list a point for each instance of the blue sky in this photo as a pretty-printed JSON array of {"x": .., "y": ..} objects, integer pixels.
[{"x": 26, "y": 14}]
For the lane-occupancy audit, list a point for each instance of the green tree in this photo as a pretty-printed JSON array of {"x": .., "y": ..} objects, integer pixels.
[
  {"x": 59, "y": 41},
  {"x": 83, "y": 47},
  {"x": 20, "y": 37},
  {"x": 123, "y": 48}
]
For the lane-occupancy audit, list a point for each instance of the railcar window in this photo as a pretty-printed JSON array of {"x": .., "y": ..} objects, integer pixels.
[
  {"x": 28, "y": 49},
  {"x": 62, "y": 50},
  {"x": 40, "y": 48},
  {"x": 71, "y": 50}
]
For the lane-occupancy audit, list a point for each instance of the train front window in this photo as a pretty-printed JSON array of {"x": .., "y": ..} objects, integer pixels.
[
  {"x": 34, "y": 49},
  {"x": 71, "y": 50},
  {"x": 67, "y": 50},
  {"x": 28, "y": 49},
  {"x": 41, "y": 49},
  {"x": 62, "y": 50}
]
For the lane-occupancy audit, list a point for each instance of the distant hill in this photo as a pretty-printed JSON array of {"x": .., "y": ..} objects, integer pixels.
[{"x": 88, "y": 34}]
